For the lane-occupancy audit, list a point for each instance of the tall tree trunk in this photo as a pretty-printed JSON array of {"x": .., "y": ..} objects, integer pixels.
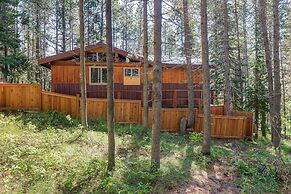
[
  {"x": 101, "y": 20},
  {"x": 83, "y": 68},
  {"x": 57, "y": 27},
  {"x": 146, "y": 67},
  {"x": 157, "y": 86},
  {"x": 206, "y": 81},
  {"x": 239, "y": 91},
  {"x": 71, "y": 25},
  {"x": 227, "y": 90},
  {"x": 263, "y": 21},
  {"x": 110, "y": 88},
  {"x": 245, "y": 47},
  {"x": 277, "y": 83},
  {"x": 188, "y": 54},
  {"x": 38, "y": 44},
  {"x": 63, "y": 26}
]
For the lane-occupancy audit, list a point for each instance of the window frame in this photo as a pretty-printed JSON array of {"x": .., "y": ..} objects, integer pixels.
[
  {"x": 90, "y": 71},
  {"x": 131, "y": 72}
]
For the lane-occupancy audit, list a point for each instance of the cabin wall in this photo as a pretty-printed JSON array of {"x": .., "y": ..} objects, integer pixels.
[
  {"x": 66, "y": 80},
  {"x": 69, "y": 72}
]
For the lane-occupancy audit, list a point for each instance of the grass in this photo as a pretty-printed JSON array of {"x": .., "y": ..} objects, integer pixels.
[{"x": 48, "y": 153}]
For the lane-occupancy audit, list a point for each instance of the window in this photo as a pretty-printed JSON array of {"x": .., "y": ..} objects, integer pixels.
[
  {"x": 131, "y": 72},
  {"x": 131, "y": 76},
  {"x": 98, "y": 75}
]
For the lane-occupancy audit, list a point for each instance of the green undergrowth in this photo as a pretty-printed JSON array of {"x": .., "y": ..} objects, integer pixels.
[{"x": 46, "y": 152}]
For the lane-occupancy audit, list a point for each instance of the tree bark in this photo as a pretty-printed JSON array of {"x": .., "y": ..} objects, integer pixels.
[
  {"x": 240, "y": 91},
  {"x": 157, "y": 86},
  {"x": 263, "y": 124},
  {"x": 188, "y": 54},
  {"x": 110, "y": 88},
  {"x": 227, "y": 90},
  {"x": 63, "y": 26},
  {"x": 146, "y": 66},
  {"x": 277, "y": 83},
  {"x": 263, "y": 21},
  {"x": 206, "y": 81},
  {"x": 57, "y": 27},
  {"x": 245, "y": 47},
  {"x": 82, "y": 68}
]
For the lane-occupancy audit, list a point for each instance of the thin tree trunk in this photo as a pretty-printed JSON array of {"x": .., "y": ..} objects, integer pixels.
[
  {"x": 146, "y": 67},
  {"x": 245, "y": 47},
  {"x": 227, "y": 90},
  {"x": 256, "y": 70},
  {"x": 206, "y": 81},
  {"x": 263, "y": 124},
  {"x": 63, "y": 26},
  {"x": 157, "y": 86},
  {"x": 277, "y": 83},
  {"x": 83, "y": 68},
  {"x": 265, "y": 37},
  {"x": 110, "y": 89},
  {"x": 188, "y": 54},
  {"x": 101, "y": 20},
  {"x": 57, "y": 27}
]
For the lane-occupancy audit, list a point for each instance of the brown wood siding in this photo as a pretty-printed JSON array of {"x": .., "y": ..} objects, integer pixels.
[{"x": 69, "y": 72}]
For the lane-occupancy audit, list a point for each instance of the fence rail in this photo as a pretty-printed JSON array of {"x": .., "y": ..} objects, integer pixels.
[{"x": 30, "y": 96}]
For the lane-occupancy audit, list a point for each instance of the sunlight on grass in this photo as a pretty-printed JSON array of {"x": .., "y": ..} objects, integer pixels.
[{"x": 48, "y": 153}]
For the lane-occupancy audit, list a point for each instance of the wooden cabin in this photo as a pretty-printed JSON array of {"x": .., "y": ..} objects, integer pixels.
[{"x": 128, "y": 76}]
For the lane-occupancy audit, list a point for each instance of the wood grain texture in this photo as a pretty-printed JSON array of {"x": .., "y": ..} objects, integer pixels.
[
  {"x": 20, "y": 96},
  {"x": 224, "y": 126}
]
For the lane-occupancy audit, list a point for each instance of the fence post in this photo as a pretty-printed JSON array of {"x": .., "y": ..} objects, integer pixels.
[{"x": 77, "y": 105}]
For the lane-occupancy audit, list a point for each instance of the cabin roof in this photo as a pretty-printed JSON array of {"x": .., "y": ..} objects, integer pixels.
[{"x": 167, "y": 61}]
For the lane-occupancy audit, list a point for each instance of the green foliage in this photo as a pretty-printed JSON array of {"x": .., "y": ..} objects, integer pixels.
[
  {"x": 196, "y": 137},
  {"x": 12, "y": 62},
  {"x": 48, "y": 153},
  {"x": 134, "y": 177}
]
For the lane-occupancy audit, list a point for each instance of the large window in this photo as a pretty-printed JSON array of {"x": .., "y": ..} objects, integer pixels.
[{"x": 98, "y": 75}]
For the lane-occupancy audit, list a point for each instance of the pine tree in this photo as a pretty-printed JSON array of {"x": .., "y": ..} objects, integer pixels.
[
  {"x": 157, "y": 86},
  {"x": 206, "y": 81},
  {"x": 12, "y": 62},
  {"x": 110, "y": 88}
]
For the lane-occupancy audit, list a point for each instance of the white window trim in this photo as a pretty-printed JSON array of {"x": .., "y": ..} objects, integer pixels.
[
  {"x": 131, "y": 71},
  {"x": 95, "y": 67}
]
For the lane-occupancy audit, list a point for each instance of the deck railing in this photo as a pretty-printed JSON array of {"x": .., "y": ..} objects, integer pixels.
[{"x": 176, "y": 98}]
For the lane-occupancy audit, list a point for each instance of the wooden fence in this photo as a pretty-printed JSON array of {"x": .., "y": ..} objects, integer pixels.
[
  {"x": 16, "y": 96},
  {"x": 251, "y": 127},
  {"x": 126, "y": 111},
  {"x": 30, "y": 96},
  {"x": 63, "y": 103},
  {"x": 223, "y": 126}
]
